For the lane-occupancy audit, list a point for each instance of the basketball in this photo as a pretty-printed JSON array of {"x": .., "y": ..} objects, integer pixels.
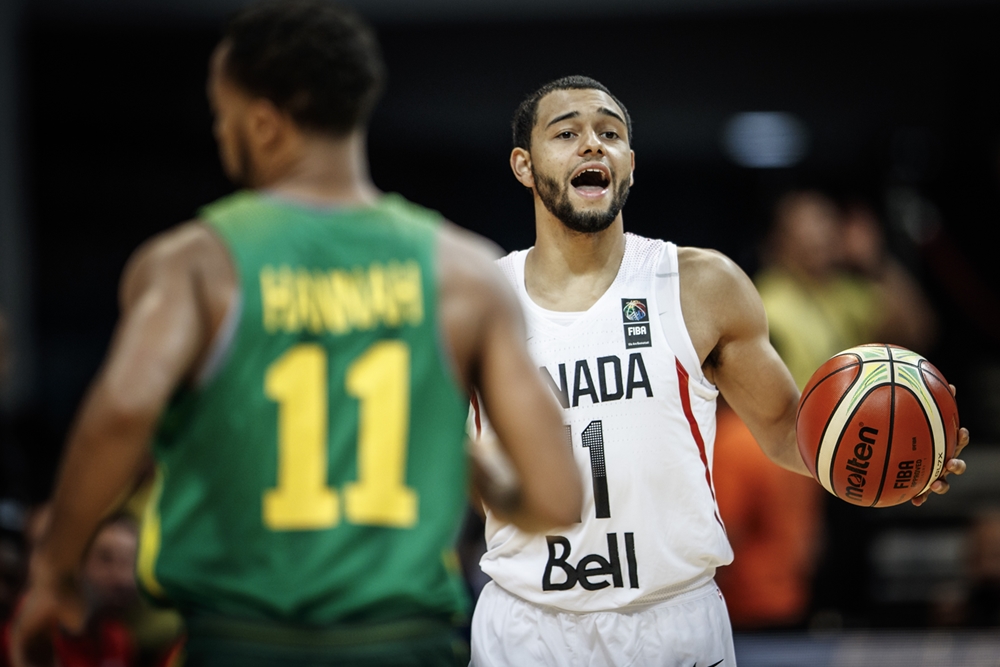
[{"x": 876, "y": 424}]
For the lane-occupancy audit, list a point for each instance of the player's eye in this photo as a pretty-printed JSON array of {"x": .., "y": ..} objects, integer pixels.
[
  {"x": 565, "y": 134},
  {"x": 610, "y": 134}
]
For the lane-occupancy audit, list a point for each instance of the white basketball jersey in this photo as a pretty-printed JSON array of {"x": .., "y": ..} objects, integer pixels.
[{"x": 641, "y": 418}]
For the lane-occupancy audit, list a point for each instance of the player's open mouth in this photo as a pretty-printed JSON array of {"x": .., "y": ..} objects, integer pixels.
[{"x": 591, "y": 181}]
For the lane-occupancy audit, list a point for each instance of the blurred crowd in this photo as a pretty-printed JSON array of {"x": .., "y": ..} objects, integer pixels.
[
  {"x": 120, "y": 628},
  {"x": 828, "y": 282}
]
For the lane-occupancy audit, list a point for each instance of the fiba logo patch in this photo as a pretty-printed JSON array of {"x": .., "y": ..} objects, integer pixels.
[
  {"x": 633, "y": 310},
  {"x": 635, "y": 318}
]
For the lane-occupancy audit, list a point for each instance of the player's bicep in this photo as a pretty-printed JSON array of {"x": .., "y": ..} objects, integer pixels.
[
  {"x": 157, "y": 338},
  {"x": 744, "y": 361},
  {"x": 754, "y": 381},
  {"x": 760, "y": 389},
  {"x": 753, "y": 378}
]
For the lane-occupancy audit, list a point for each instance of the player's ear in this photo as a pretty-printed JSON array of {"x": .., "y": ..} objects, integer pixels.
[
  {"x": 520, "y": 164},
  {"x": 265, "y": 122},
  {"x": 631, "y": 175}
]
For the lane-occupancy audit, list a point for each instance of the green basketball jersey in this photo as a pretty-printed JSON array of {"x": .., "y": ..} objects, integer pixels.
[{"x": 317, "y": 474}]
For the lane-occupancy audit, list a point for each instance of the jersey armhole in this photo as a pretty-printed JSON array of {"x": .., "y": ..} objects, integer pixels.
[
  {"x": 222, "y": 341},
  {"x": 668, "y": 299}
]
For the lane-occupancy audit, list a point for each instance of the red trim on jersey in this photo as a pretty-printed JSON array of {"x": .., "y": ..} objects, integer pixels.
[
  {"x": 475, "y": 410},
  {"x": 684, "y": 386}
]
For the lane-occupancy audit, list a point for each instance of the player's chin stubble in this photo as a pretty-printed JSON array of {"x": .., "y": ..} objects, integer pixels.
[{"x": 556, "y": 200}]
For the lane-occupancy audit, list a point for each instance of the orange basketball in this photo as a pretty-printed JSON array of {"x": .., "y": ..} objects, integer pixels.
[{"x": 876, "y": 424}]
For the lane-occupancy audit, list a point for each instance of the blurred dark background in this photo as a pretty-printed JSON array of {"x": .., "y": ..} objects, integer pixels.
[{"x": 105, "y": 139}]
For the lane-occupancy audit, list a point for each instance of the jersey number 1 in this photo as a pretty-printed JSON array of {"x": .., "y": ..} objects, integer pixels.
[
  {"x": 380, "y": 379},
  {"x": 593, "y": 439}
]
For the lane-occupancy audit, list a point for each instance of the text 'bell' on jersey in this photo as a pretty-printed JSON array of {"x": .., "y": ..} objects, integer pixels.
[
  {"x": 641, "y": 421},
  {"x": 319, "y": 474}
]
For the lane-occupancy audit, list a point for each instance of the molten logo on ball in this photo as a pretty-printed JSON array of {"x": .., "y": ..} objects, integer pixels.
[
  {"x": 876, "y": 424},
  {"x": 858, "y": 466}
]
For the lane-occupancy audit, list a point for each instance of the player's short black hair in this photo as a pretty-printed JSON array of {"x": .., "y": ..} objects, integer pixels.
[
  {"x": 314, "y": 59},
  {"x": 527, "y": 113}
]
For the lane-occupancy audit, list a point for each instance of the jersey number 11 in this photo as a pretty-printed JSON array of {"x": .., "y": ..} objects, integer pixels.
[{"x": 303, "y": 500}]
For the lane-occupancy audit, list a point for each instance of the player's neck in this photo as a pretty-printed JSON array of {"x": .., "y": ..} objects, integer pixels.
[
  {"x": 327, "y": 171},
  {"x": 569, "y": 271}
]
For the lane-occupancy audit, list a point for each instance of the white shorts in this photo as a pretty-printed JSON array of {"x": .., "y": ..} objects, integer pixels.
[{"x": 690, "y": 630}]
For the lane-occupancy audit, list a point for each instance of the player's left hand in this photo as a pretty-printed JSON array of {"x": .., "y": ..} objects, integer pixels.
[{"x": 953, "y": 466}]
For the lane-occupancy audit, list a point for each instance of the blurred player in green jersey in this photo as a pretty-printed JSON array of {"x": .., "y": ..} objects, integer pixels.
[{"x": 298, "y": 358}]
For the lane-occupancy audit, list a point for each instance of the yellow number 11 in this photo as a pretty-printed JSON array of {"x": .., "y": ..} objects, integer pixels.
[{"x": 302, "y": 500}]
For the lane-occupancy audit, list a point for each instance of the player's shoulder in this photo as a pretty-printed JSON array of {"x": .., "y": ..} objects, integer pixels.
[
  {"x": 467, "y": 266},
  {"x": 183, "y": 244},
  {"x": 466, "y": 245},
  {"x": 718, "y": 290},
  {"x": 174, "y": 253},
  {"x": 709, "y": 268},
  {"x": 466, "y": 257}
]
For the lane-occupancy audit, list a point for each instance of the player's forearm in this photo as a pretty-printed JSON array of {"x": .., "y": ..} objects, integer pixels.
[
  {"x": 529, "y": 424},
  {"x": 105, "y": 452},
  {"x": 549, "y": 491},
  {"x": 531, "y": 522},
  {"x": 533, "y": 518},
  {"x": 770, "y": 416},
  {"x": 530, "y": 500},
  {"x": 535, "y": 498},
  {"x": 781, "y": 447},
  {"x": 552, "y": 491}
]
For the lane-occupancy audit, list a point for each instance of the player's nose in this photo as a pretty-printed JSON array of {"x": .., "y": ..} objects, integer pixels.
[{"x": 590, "y": 143}]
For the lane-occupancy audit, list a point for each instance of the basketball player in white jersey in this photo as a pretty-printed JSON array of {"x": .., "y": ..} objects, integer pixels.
[{"x": 637, "y": 338}]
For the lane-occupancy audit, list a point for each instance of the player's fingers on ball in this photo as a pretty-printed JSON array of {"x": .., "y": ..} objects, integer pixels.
[
  {"x": 919, "y": 500},
  {"x": 963, "y": 441},
  {"x": 956, "y": 466},
  {"x": 952, "y": 388},
  {"x": 940, "y": 486}
]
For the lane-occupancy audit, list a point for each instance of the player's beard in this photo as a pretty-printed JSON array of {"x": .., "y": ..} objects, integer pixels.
[{"x": 555, "y": 197}]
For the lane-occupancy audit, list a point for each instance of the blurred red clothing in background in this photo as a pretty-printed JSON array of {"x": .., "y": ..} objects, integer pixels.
[
  {"x": 108, "y": 645},
  {"x": 773, "y": 519}
]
